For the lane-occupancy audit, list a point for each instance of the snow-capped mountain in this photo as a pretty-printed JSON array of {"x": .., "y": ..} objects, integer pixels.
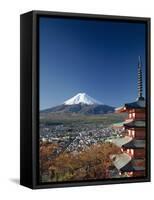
[
  {"x": 82, "y": 98},
  {"x": 82, "y": 104}
]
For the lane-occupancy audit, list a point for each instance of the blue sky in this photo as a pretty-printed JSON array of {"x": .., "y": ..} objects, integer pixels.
[{"x": 96, "y": 57}]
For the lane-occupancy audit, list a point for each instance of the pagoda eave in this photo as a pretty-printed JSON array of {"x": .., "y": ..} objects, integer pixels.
[
  {"x": 120, "y": 109},
  {"x": 132, "y": 167},
  {"x": 121, "y": 141},
  {"x": 135, "y": 124},
  {"x": 134, "y": 144}
]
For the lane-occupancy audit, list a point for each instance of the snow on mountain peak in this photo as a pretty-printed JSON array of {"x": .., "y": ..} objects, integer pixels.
[{"x": 82, "y": 98}]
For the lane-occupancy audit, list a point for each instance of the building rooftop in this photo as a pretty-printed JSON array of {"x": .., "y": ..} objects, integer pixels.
[
  {"x": 131, "y": 123},
  {"x": 125, "y": 163},
  {"x": 120, "y": 160},
  {"x": 130, "y": 167},
  {"x": 121, "y": 141},
  {"x": 138, "y": 104},
  {"x": 135, "y": 144},
  {"x": 136, "y": 123},
  {"x": 121, "y": 124}
]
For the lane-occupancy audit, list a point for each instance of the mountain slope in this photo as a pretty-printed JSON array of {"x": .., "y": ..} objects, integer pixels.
[
  {"x": 83, "y": 104},
  {"x": 81, "y": 108}
]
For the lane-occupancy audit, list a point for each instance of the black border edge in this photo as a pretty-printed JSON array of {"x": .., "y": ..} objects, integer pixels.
[
  {"x": 35, "y": 99},
  {"x": 90, "y": 16},
  {"x": 25, "y": 99}
]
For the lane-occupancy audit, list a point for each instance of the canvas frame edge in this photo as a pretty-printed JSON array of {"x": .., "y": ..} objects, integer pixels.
[{"x": 34, "y": 96}]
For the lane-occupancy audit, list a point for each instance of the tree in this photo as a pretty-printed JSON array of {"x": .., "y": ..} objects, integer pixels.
[{"x": 93, "y": 163}]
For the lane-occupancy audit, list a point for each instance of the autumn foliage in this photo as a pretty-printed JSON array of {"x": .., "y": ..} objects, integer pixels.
[{"x": 92, "y": 163}]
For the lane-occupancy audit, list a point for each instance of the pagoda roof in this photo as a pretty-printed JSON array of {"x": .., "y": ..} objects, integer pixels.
[
  {"x": 130, "y": 123},
  {"x": 135, "y": 144},
  {"x": 136, "y": 123},
  {"x": 121, "y": 141},
  {"x": 131, "y": 167},
  {"x": 127, "y": 168},
  {"x": 125, "y": 163},
  {"x": 120, "y": 160},
  {"x": 118, "y": 125},
  {"x": 121, "y": 124},
  {"x": 138, "y": 104}
]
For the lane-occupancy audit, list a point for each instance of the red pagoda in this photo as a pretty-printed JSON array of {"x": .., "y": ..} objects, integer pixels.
[{"x": 131, "y": 162}]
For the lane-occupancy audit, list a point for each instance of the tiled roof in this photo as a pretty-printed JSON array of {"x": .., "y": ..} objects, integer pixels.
[
  {"x": 135, "y": 144},
  {"x": 131, "y": 123},
  {"x": 121, "y": 140},
  {"x": 120, "y": 124},
  {"x": 125, "y": 163},
  {"x": 130, "y": 167},
  {"x": 136, "y": 123},
  {"x": 139, "y": 104},
  {"x": 120, "y": 160},
  {"x": 136, "y": 104}
]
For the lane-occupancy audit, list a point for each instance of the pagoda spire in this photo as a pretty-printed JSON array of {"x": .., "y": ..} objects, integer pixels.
[{"x": 140, "y": 86}]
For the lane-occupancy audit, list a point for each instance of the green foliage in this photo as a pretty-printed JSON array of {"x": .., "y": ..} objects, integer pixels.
[{"x": 68, "y": 119}]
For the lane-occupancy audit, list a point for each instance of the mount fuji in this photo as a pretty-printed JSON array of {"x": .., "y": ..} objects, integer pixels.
[
  {"x": 81, "y": 103},
  {"x": 82, "y": 98}
]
